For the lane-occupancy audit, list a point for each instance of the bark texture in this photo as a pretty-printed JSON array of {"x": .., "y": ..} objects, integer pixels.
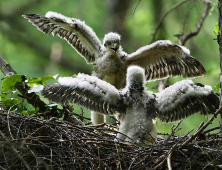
[{"x": 219, "y": 40}]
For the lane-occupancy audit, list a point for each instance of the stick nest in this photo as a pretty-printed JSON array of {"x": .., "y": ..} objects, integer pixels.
[{"x": 33, "y": 143}]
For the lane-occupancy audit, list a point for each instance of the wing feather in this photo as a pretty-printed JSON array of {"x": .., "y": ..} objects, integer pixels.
[
  {"x": 185, "y": 98},
  {"x": 163, "y": 59},
  {"x": 80, "y": 36},
  {"x": 87, "y": 91}
]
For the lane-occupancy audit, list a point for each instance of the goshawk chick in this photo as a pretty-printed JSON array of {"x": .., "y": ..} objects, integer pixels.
[
  {"x": 160, "y": 59},
  {"x": 137, "y": 107}
]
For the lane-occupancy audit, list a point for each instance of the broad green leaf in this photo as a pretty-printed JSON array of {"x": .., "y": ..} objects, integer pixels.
[
  {"x": 47, "y": 78},
  {"x": 33, "y": 111},
  {"x": 20, "y": 108},
  {"x": 10, "y": 102},
  {"x": 40, "y": 80},
  {"x": 3, "y": 96},
  {"x": 10, "y": 82},
  {"x": 35, "y": 81},
  {"x": 216, "y": 29},
  {"x": 25, "y": 112}
]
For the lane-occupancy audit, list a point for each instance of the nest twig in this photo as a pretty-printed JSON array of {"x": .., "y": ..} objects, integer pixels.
[{"x": 33, "y": 143}]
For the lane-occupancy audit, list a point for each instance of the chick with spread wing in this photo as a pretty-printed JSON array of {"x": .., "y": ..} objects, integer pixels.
[
  {"x": 137, "y": 107},
  {"x": 110, "y": 62}
]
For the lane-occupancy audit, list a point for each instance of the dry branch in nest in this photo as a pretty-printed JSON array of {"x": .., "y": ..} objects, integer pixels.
[{"x": 33, "y": 143}]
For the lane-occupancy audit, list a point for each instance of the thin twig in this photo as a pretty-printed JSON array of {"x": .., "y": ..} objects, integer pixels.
[
  {"x": 9, "y": 129},
  {"x": 170, "y": 151},
  {"x": 2, "y": 168},
  {"x": 208, "y": 156},
  {"x": 201, "y": 129},
  {"x": 184, "y": 37},
  {"x": 212, "y": 129},
  {"x": 169, "y": 161},
  {"x": 77, "y": 146},
  {"x": 173, "y": 130},
  {"x": 136, "y": 7},
  {"x": 15, "y": 151},
  {"x": 201, "y": 124},
  {"x": 164, "y": 16},
  {"x": 132, "y": 163},
  {"x": 99, "y": 158},
  {"x": 118, "y": 154}
]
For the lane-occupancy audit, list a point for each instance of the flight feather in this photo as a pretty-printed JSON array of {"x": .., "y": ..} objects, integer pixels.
[
  {"x": 80, "y": 36},
  {"x": 163, "y": 59},
  {"x": 87, "y": 91}
]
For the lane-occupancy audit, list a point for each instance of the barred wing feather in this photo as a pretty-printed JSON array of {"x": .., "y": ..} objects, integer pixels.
[
  {"x": 185, "y": 98},
  {"x": 163, "y": 59},
  {"x": 80, "y": 36},
  {"x": 87, "y": 91}
]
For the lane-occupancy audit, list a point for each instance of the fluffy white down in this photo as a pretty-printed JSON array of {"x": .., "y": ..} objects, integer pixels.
[
  {"x": 86, "y": 30},
  {"x": 148, "y": 47},
  {"x": 171, "y": 96},
  {"x": 36, "y": 89},
  {"x": 155, "y": 44},
  {"x": 137, "y": 124},
  {"x": 52, "y": 14},
  {"x": 135, "y": 74},
  {"x": 185, "y": 50},
  {"x": 97, "y": 86},
  {"x": 111, "y": 36}
]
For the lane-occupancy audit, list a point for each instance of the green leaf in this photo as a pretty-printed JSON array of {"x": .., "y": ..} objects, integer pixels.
[
  {"x": 35, "y": 81},
  {"x": 3, "y": 96},
  {"x": 20, "y": 108},
  {"x": 40, "y": 80},
  {"x": 10, "y": 102},
  {"x": 74, "y": 75},
  {"x": 216, "y": 29},
  {"x": 47, "y": 78},
  {"x": 10, "y": 82},
  {"x": 25, "y": 112},
  {"x": 34, "y": 111},
  {"x": 217, "y": 87}
]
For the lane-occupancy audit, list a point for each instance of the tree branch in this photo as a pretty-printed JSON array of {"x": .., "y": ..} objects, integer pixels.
[
  {"x": 6, "y": 69},
  {"x": 164, "y": 16},
  {"x": 184, "y": 37}
]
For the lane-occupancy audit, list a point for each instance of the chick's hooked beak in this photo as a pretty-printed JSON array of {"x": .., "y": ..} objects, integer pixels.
[{"x": 114, "y": 47}]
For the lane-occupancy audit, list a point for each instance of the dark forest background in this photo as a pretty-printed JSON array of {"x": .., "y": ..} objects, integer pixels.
[{"x": 32, "y": 53}]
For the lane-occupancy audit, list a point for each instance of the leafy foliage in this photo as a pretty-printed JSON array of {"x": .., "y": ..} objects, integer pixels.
[
  {"x": 10, "y": 82},
  {"x": 12, "y": 99},
  {"x": 40, "y": 80}
]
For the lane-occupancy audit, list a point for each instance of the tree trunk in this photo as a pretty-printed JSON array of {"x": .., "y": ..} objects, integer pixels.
[{"x": 219, "y": 40}]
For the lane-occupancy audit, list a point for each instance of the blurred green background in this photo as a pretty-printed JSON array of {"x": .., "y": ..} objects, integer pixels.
[{"x": 31, "y": 52}]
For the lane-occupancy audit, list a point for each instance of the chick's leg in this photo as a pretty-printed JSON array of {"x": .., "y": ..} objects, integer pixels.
[{"x": 97, "y": 118}]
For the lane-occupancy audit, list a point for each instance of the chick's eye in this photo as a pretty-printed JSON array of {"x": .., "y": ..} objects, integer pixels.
[{"x": 108, "y": 43}]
